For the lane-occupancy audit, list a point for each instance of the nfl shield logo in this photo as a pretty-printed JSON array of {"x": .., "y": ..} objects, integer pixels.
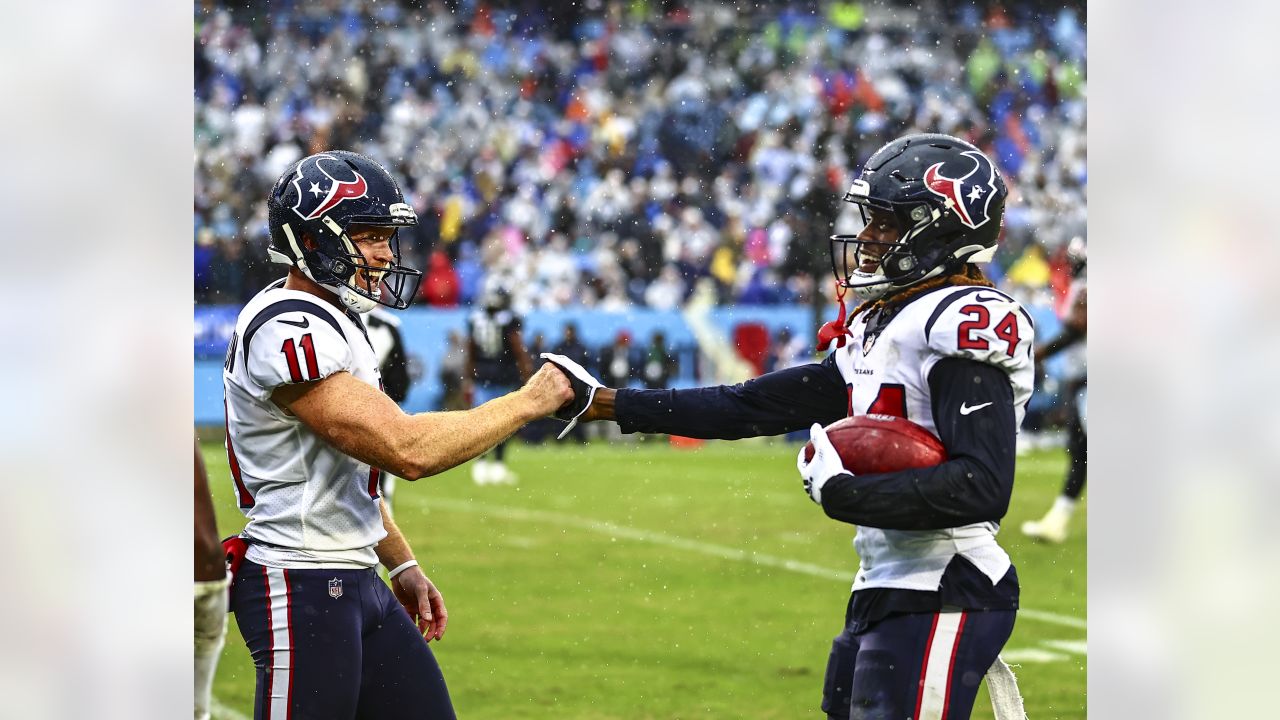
[
  {"x": 335, "y": 588},
  {"x": 867, "y": 342}
]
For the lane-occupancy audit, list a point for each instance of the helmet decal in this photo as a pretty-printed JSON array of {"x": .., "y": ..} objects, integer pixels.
[
  {"x": 322, "y": 182},
  {"x": 969, "y": 198}
]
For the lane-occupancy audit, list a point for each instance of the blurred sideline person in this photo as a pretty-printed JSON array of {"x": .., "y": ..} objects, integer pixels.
[
  {"x": 1053, "y": 527},
  {"x": 496, "y": 363},
  {"x": 453, "y": 365},
  {"x": 659, "y": 366},
  {"x": 618, "y": 368},
  {"x": 211, "y": 591},
  {"x": 393, "y": 365},
  {"x": 308, "y": 432},
  {"x": 935, "y": 598}
]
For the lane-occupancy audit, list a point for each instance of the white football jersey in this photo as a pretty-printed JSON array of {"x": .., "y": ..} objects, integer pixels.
[
  {"x": 309, "y": 505},
  {"x": 886, "y": 371}
]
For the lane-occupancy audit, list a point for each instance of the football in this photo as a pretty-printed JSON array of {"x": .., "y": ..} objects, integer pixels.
[{"x": 882, "y": 443}]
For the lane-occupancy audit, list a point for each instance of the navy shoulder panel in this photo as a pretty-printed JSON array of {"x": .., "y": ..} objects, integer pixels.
[{"x": 285, "y": 306}]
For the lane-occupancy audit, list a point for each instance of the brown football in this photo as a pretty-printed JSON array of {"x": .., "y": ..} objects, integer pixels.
[{"x": 882, "y": 443}]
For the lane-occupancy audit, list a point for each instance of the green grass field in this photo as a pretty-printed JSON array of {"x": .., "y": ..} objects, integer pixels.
[{"x": 640, "y": 581}]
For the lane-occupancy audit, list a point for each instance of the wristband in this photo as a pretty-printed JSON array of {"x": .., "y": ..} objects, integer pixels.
[{"x": 401, "y": 568}]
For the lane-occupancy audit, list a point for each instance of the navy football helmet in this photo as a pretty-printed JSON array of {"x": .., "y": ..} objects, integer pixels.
[
  {"x": 313, "y": 207},
  {"x": 948, "y": 200}
]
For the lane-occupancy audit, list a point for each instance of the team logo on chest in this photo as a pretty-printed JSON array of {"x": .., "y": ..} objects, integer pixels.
[{"x": 335, "y": 588}]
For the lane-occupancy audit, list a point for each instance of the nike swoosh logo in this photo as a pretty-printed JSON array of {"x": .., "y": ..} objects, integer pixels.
[
  {"x": 965, "y": 409},
  {"x": 980, "y": 298},
  {"x": 305, "y": 322}
]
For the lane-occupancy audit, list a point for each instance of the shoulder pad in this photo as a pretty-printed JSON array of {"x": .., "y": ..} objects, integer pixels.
[
  {"x": 983, "y": 324},
  {"x": 293, "y": 341}
]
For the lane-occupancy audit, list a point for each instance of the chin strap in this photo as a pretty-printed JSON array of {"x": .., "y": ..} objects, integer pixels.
[{"x": 836, "y": 329}]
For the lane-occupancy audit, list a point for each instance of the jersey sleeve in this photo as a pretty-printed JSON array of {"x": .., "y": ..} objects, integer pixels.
[
  {"x": 772, "y": 404},
  {"x": 294, "y": 347},
  {"x": 979, "y": 324}
]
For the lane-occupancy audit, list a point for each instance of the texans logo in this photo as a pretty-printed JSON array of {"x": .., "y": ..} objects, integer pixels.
[
  {"x": 322, "y": 182},
  {"x": 968, "y": 195}
]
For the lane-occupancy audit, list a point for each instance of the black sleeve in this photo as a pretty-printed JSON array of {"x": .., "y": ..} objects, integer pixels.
[
  {"x": 973, "y": 485},
  {"x": 771, "y": 404}
]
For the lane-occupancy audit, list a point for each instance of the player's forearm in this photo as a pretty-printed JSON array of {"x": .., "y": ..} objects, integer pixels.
[
  {"x": 431, "y": 443},
  {"x": 977, "y": 423},
  {"x": 955, "y": 493},
  {"x": 393, "y": 551},
  {"x": 771, "y": 404}
]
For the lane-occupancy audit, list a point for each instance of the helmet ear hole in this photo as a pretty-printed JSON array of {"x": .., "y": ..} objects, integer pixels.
[{"x": 308, "y": 242}]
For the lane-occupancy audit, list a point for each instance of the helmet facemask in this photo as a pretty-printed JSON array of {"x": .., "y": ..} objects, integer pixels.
[
  {"x": 366, "y": 284},
  {"x": 896, "y": 265},
  {"x": 359, "y": 285}
]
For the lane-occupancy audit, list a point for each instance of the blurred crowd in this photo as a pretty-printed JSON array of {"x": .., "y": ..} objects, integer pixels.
[{"x": 611, "y": 153}]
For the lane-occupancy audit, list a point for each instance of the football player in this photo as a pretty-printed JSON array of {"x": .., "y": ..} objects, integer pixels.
[
  {"x": 211, "y": 592},
  {"x": 496, "y": 362},
  {"x": 1075, "y": 326},
  {"x": 393, "y": 367},
  {"x": 933, "y": 342},
  {"x": 309, "y": 431}
]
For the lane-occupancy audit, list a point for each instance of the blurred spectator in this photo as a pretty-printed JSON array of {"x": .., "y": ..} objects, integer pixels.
[
  {"x": 617, "y": 362},
  {"x": 613, "y": 156},
  {"x": 788, "y": 351},
  {"x": 440, "y": 286},
  {"x": 453, "y": 368},
  {"x": 659, "y": 365},
  {"x": 571, "y": 347}
]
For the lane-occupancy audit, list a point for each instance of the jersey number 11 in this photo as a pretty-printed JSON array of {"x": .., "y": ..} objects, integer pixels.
[{"x": 291, "y": 356}]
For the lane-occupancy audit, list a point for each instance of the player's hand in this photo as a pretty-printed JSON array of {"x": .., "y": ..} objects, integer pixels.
[
  {"x": 826, "y": 463},
  {"x": 422, "y": 601},
  {"x": 584, "y": 387},
  {"x": 549, "y": 388}
]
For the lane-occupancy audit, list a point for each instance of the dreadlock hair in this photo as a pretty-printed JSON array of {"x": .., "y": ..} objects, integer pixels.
[{"x": 968, "y": 274}]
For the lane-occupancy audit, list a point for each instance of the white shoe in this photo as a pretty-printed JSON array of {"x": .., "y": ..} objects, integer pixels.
[
  {"x": 502, "y": 475},
  {"x": 482, "y": 472},
  {"x": 1050, "y": 528}
]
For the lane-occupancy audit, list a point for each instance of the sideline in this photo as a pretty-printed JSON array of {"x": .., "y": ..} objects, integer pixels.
[
  {"x": 218, "y": 711},
  {"x": 720, "y": 551}
]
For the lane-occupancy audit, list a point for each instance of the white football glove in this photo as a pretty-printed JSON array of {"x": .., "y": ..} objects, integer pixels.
[
  {"x": 584, "y": 390},
  {"x": 826, "y": 463}
]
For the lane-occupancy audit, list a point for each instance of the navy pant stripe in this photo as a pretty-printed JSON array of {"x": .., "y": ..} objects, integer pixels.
[{"x": 923, "y": 666}]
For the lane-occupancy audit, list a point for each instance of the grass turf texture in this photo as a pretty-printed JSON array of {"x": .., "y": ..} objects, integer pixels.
[{"x": 617, "y": 581}]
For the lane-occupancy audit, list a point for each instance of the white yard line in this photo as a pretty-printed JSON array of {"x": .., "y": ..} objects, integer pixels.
[
  {"x": 1055, "y": 618},
  {"x": 218, "y": 711},
  {"x": 720, "y": 551},
  {"x": 1031, "y": 655}
]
